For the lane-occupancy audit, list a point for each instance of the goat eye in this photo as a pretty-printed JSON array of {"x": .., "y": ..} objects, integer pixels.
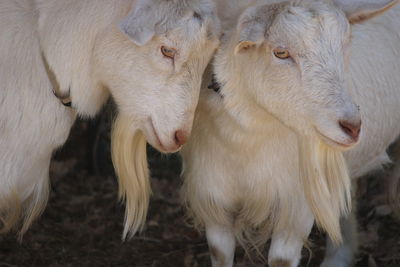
[
  {"x": 168, "y": 52},
  {"x": 281, "y": 53}
]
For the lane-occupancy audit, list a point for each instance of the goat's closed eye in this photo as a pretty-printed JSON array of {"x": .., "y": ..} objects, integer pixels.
[
  {"x": 281, "y": 53},
  {"x": 168, "y": 52}
]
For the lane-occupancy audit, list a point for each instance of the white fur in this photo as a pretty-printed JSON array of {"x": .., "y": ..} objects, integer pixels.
[
  {"x": 93, "y": 51},
  {"x": 221, "y": 237},
  {"x": 242, "y": 165}
]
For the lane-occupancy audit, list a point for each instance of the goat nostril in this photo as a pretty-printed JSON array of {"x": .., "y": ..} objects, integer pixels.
[
  {"x": 180, "y": 137},
  {"x": 351, "y": 128}
]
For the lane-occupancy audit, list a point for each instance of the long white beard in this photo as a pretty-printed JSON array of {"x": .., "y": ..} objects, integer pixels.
[
  {"x": 326, "y": 182},
  {"x": 130, "y": 162}
]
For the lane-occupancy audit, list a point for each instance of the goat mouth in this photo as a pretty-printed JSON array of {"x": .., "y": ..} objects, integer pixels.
[
  {"x": 155, "y": 134},
  {"x": 151, "y": 130},
  {"x": 333, "y": 142}
]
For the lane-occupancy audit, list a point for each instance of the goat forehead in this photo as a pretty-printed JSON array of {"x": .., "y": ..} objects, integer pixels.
[
  {"x": 302, "y": 21},
  {"x": 307, "y": 36},
  {"x": 193, "y": 18},
  {"x": 191, "y": 26},
  {"x": 191, "y": 38}
]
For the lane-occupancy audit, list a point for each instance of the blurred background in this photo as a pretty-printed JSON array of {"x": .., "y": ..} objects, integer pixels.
[{"x": 82, "y": 224}]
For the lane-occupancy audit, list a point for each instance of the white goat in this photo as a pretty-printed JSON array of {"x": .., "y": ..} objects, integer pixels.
[
  {"x": 265, "y": 154},
  {"x": 149, "y": 54}
]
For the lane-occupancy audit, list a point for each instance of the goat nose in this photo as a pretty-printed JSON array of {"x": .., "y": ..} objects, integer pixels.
[
  {"x": 351, "y": 128},
  {"x": 180, "y": 137}
]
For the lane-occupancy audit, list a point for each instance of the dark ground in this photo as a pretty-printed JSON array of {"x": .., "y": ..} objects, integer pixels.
[{"x": 82, "y": 223}]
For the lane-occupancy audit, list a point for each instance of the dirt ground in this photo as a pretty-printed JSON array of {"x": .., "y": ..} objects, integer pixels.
[{"x": 82, "y": 223}]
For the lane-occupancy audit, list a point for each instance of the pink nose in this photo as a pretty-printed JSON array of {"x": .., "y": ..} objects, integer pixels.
[
  {"x": 351, "y": 128},
  {"x": 180, "y": 137}
]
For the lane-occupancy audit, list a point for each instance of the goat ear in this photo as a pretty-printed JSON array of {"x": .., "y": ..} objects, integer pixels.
[
  {"x": 244, "y": 46},
  {"x": 251, "y": 31},
  {"x": 358, "y": 11},
  {"x": 254, "y": 24},
  {"x": 140, "y": 23}
]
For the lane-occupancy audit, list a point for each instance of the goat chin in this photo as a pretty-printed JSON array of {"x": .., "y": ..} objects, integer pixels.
[
  {"x": 130, "y": 163},
  {"x": 326, "y": 182}
]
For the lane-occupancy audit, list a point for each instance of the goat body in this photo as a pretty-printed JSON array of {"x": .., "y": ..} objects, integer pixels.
[
  {"x": 87, "y": 50},
  {"x": 33, "y": 122},
  {"x": 242, "y": 165}
]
